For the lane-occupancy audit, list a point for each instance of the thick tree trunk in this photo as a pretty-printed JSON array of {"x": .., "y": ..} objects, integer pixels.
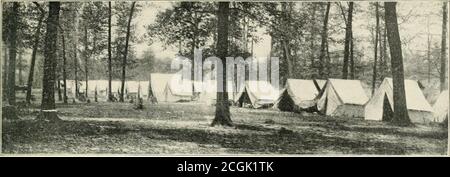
[
  {"x": 109, "y": 54},
  {"x": 124, "y": 63},
  {"x": 401, "y": 116},
  {"x": 33, "y": 55},
  {"x": 222, "y": 116},
  {"x": 323, "y": 44},
  {"x": 48, "y": 107},
  {"x": 64, "y": 74},
  {"x": 12, "y": 55},
  {"x": 377, "y": 31},
  {"x": 348, "y": 33},
  {"x": 444, "y": 39}
]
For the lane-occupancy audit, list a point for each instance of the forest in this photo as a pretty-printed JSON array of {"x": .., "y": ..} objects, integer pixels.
[{"x": 90, "y": 64}]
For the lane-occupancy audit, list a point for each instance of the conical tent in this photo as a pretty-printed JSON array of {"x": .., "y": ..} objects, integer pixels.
[
  {"x": 440, "y": 107},
  {"x": 259, "y": 94},
  {"x": 419, "y": 109},
  {"x": 344, "y": 98},
  {"x": 297, "y": 95}
]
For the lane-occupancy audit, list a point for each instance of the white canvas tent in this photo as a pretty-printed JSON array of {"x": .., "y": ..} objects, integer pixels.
[
  {"x": 440, "y": 107},
  {"x": 133, "y": 87},
  {"x": 257, "y": 93},
  {"x": 342, "y": 98},
  {"x": 297, "y": 95},
  {"x": 93, "y": 85},
  {"x": 116, "y": 87},
  {"x": 178, "y": 89},
  {"x": 381, "y": 105},
  {"x": 321, "y": 83},
  {"x": 209, "y": 92},
  {"x": 101, "y": 86},
  {"x": 171, "y": 88},
  {"x": 70, "y": 88},
  {"x": 144, "y": 88},
  {"x": 159, "y": 82}
]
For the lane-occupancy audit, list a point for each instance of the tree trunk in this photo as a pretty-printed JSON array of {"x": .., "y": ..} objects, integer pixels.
[
  {"x": 385, "y": 53},
  {"x": 352, "y": 59},
  {"x": 429, "y": 57},
  {"x": 12, "y": 55},
  {"x": 401, "y": 116},
  {"x": 328, "y": 66},
  {"x": 324, "y": 41},
  {"x": 5, "y": 73},
  {"x": 48, "y": 107},
  {"x": 109, "y": 54},
  {"x": 77, "y": 90},
  {"x": 124, "y": 63},
  {"x": 33, "y": 55},
  {"x": 285, "y": 43},
  {"x": 287, "y": 57},
  {"x": 58, "y": 85},
  {"x": 381, "y": 55},
  {"x": 64, "y": 74},
  {"x": 444, "y": 39},
  {"x": 377, "y": 31},
  {"x": 311, "y": 38},
  {"x": 86, "y": 72},
  {"x": 75, "y": 62},
  {"x": 222, "y": 115},
  {"x": 20, "y": 67},
  {"x": 348, "y": 33}
]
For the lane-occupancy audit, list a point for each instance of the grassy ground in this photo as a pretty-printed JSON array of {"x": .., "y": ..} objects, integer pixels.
[{"x": 183, "y": 128}]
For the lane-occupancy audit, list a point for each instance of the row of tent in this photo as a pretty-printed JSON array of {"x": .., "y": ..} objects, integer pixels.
[
  {"x": 347, "y": 98},
  {"x": 332, "y": 97},
  {"x": 100, "y": 87}
]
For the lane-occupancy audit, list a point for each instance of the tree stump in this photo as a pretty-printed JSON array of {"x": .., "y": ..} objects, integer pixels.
[{"x": 48, "y": 116}]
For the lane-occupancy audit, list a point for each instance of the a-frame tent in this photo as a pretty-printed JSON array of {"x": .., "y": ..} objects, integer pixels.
[
  {"x": 440, "y": 107},
  {"x": 381, "y": 105},
  {"x": 178, "y": 89},
  {"x": 298, "y": 95},
  {"x": 158, "y": 85},
  {"x": 260, "y": 94},
  {"x": 344, "y": 98}
]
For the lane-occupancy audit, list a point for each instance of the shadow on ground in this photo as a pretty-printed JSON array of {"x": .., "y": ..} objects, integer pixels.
[{"x": 257, "y": 139}]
